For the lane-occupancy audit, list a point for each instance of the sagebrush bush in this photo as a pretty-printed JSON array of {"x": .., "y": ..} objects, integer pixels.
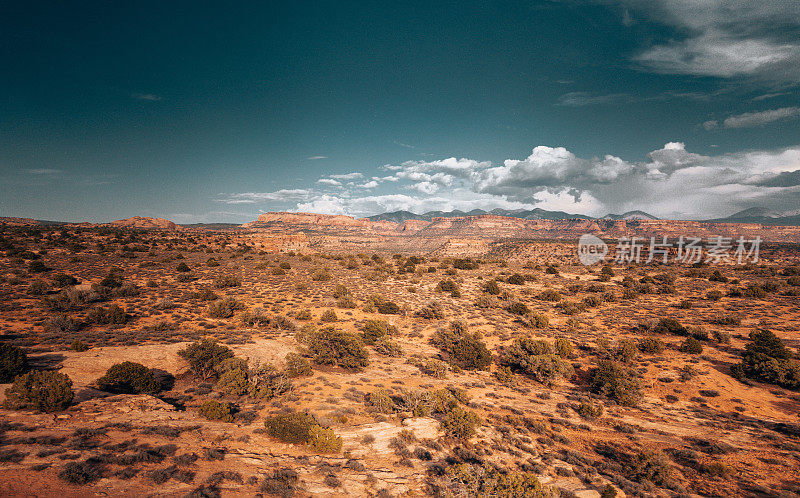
[
  {"x": 214, "y": 410},
  {"x": 324, "y": 440},
  {"x": 129, "y": 378},
  {"x": 518, "y": 308},
  {"x": 670, "y": 326},
  {"x": 328, "y": 315},
  {"x": 767, "y": 359},
  {"x": 292, "y": 427},
  {"x": 111, "y": 315},
  {"x": 203, "y": 356},
  {"x": 460, "y": 424},
  {"x": 44, "y": 391},
  {"x": 374, "y": 330},
  {"x": 651, "y": 345},
  {"x": 617, "y": 381},
  {"x": 380, "y": 401},
  {"x": 465, "y": 350},
  {"x": 431, "y": 311},
  {"x": 227, "y": 281},
  {"x": 13, "y": 362},
  {"x": 297, "y": 366},
  {"x": 388, "y": 347},
  {"x": 81, "y": 473},
  {"x": 491, "y": 287},
  {"x": 335, "y": 347},
  {"x": 224, "y": 308},
  {"x": 691, "y": 346},
  {"x": 536, "y": 359}
]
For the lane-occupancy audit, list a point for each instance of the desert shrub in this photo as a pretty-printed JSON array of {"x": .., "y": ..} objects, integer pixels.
[
  {"x": 204, "y": 294},
  {"x": 431, "y": 311},
  {"x": 721, "y": 336},
  {"x": 535, "y": 320},
  {"x": 571, "y": 307},
  {"x": 112, "y": 314},
  {"x": 303, "y": 315},
  {"x": 465, "y": 264},
  {"x": 224, "y": 308},
  {"x": 44, "y": 391},
  {"x": 698, "y": 333},
  {"x": 516, "y": 279},
  {"x": 450, "y": 286},
  {"x": 767, "y": 359},
  {"x": 297, "y": 366},
  {"x": 346, "y": 302},
  {"x": 625, "y": 351},
  {"x": 651, "y": 345},
  {"x": 713, "y": 295},
  {"x": 335, "y": 347},
  {"x": 237, "y": 378},
  {"x": 536, "y": 359},
  {"x": 13, "y": 362},
  {"x": 388, "y": 347},
  {"x": 592, "y": 301},
  {"x": 670, "y": 326},
  {"x": 292, "y": 427},
  {"x": 182, "y": 267},
  {"x": 227, "y": 281},
  {"x": 382, "y": 305},
  {"x": 616, "y": 381},
  {"x": 212, "y": 262},
  {"x": 691, "y": 346},
  {"x": 232, "y": 377},
  {"x": 80, "y": 473},
  {"x": 62, "y": 323},
  {"x": 793, "y": 281},
  {"x": 320, "y": 275},
  {"x": 324, "y": 440},
  {"x": 465, "y": 350},
  {"x": 277, "y": 271},
  {"x": 518, "y": 308},
  {"x": 460, "y": 424},
  {"x": 128, "y": 378},
  {"x": 38, "y": 267},
  {"x": 590, "y": 410},
  {"x": 551, "y": 270},
  {"x": 491, "y": 287},
  {"x": 64, "y": 280},
  {"x": 563, "y": 347},
  {"x": 214, "y": 410},
  {"x": 328, "y": 315},
  {"x": 38, "y": 288},
  {"x": 727, "y": 320},
  {"x": 79, "y": 346},
  {"x": 373, "y": 330},
  {"x": 203, "y": 356},
  {"x": 717, "y": 276},
  {"x": 549, "y": 295},
  {"x": 379, "y": 401},
  {"x": 464, "y": 479}
]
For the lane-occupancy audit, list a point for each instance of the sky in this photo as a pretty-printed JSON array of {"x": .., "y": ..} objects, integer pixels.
[{"x": 218, "y": 111}]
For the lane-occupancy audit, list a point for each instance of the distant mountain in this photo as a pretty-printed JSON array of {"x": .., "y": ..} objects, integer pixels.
[
  {"x": 763, "y": 216},
  {"x": 630, "y": 215},
  {"x": 212, "y": 226},
  {"x": 525, "y": 214}
]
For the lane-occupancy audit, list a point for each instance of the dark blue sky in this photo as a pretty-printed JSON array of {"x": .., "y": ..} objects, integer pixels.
[{"x": 199, "y": 111}]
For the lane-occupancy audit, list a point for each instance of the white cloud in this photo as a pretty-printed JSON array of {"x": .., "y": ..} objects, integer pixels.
[
  {"x": 329, "y": 181},
  {"x": 369, "y": 184},
  {"x": 348, "y": 176},
  {"x": 282, "y": 195},
  {"x": 150, "y": 97},
  {"x": 316, "y": 158},
  {"x": 750, "y": 119},
  {"x": 726, "y": 38},
  {"x": 42, "y": 171}
]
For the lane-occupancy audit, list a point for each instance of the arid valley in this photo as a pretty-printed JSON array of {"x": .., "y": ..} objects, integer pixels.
[{"x": 276, "y": 358}]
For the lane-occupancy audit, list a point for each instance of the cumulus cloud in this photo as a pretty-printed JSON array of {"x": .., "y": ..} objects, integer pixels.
[
  {"x": 329, "y": 181},
  {"x": 348, "y": 176},
  {"x": 670, "y": 182},
  {"x": 725, "y": 38}
]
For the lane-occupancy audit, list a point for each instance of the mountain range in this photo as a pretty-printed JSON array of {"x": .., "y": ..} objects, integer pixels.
[{"x": 525, "y": 214}]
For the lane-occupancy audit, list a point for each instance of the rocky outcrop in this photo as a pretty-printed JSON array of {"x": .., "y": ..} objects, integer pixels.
[{"x": 147, "y": 223}]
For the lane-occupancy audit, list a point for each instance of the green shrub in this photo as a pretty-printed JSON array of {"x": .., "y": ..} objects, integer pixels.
[
  {"x": 767, "y": 359},
  {"x": 227, "y": 281},
  {"x": 214, "y": 410},
  {"x": 297, "y": 366},
  {"x": 278, "y": 271},
  {"x": 373, "y": 330},
  {"x": 112, "y": 314},
  {"x": 549, "y": 295},
  {"x": 465, "y": 264},
  {"x": 465, "y": 350},
  {"x": 182, "y": 267},
  {"x": 203, "y": 356},
  {"x": 204, "y": 294},
  {"x": 303, "y": 315},
  {"x": 224, "y": 308},
  {"x": 616, "y": 381},
  {"x": 324, "y": 440},
  {"x": 590, "y": 410},
  {"x": 536, "y": 359},
  {"x": 518, "y": 308},
  {"x": 128, "y": 378},
  {"x": 448, "y": 286},
  {"x": 670, "y": 326},
  {"x": 626, "y": 351},
  {"x": 536, "y": 320},
  {"x": 320, "y": 275},
  {"x": 713, "y": 295},
  {"x": 381, "y": 305},
  {"x": 328, "y": 315},
  {"x": 79, "y": 346},
  {"x": 292, "y": 427},
  {"x": 379, "y": 401},
  {"x": 335, "y": 347},
  {"x": 563, "y": 347},
  {"x": 460, "y": 424},
  {"x": 44, "y": 391},
  {"x": 388, "y": 347},
  {"x": 516, "y": 279},
  {"x": 431, "y": 311},
  {"x": 13, "y": 362},
  {"x": 691, "y": 346},
  {"x": 464, "y": 479},
  {"x": 491, "y": 287},
  {"x": 651, "y": 345}
]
